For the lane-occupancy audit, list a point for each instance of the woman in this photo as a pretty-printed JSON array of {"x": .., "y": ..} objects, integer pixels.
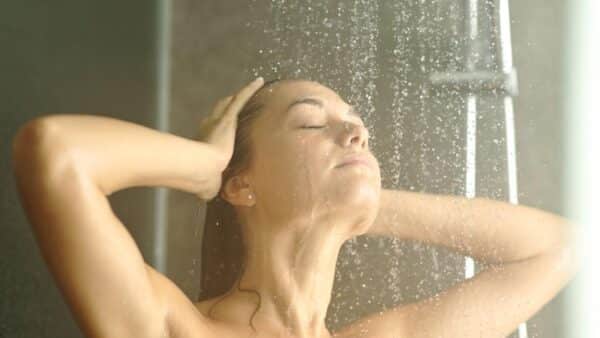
[{"x": 301, "y": 180}]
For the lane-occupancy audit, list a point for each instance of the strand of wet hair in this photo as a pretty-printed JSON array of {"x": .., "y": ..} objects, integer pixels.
[
  {"x": 240, "y": 273},
  {"x": 253, "y": 106}
]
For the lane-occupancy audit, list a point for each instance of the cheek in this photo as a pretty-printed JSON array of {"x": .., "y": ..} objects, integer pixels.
[
  {"x": 297, "y": 160},
  {"x": 300, "y": 161},
  {"x": 309, "y": 153}
]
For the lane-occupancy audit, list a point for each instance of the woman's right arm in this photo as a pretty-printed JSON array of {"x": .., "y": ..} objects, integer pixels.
[{"x": 65, "y": 166}]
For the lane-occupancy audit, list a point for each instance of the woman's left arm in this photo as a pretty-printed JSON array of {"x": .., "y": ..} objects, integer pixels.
[
  {"x": 528, "y": 254},
  {"x": 488, "y": 230}
]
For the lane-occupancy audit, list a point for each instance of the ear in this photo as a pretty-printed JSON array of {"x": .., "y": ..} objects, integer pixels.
[{"x": 237, "y": 191}]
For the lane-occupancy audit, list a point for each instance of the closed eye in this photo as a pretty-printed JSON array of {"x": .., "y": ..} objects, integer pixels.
[{"x": 313, "y": 127}]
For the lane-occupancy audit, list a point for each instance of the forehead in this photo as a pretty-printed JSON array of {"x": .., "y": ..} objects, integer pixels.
[{"x": 279, "y": 96}]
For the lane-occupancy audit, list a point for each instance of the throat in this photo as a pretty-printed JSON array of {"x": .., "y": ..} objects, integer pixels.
[{"x": 285, "y": 290}]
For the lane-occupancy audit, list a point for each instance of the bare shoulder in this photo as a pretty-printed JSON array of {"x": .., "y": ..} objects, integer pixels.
[{"x": 186, "y": 318}]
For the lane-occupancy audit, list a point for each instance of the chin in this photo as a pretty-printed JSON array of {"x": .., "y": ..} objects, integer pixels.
[
  {"x": 363, "y": 199},
  {"x": 362, "y": 194},
  {"x": 355, "y": 194}
]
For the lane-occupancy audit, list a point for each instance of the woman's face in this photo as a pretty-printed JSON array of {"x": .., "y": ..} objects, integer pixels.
[{"x": 304, "y": 132}]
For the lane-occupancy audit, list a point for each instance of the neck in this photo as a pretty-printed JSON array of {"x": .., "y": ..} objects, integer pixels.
[{"x": 293, "y": 272}]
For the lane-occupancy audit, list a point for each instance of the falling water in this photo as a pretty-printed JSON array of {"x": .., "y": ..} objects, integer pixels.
[
  {"x": 507, "y": 68},
  {"x": 380, "y": 55}
]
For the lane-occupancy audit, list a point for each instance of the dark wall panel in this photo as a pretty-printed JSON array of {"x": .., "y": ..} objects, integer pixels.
[{"x": 93, "y": 57}]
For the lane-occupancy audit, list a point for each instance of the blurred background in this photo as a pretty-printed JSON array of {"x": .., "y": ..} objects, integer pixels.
[{"x": 163, "y": 64}]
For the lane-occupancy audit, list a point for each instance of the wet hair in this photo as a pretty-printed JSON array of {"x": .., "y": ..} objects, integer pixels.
[{"x": 224, "y": 253}]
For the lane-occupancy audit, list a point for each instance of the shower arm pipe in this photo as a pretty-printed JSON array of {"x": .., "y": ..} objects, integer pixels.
[{"x": 480, "y": 82}]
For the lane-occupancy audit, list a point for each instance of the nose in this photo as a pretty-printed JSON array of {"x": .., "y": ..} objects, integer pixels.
[{"x": 355, "y": 134}]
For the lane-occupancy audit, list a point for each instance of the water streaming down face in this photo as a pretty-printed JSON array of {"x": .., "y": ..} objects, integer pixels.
[{"x": 379, "y": 55}]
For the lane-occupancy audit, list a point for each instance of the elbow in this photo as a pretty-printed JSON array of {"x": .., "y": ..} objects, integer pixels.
[
  {"x": 569, "y": 245},
  {"x": 28, "y": 132},
  {"x": 35, "y": 147},
  {"x": 34, "y": 131},
  {"x": 27, "y": 142},
  {"x": 566, "y": 235},
  {"x": 565, "y": 252}
]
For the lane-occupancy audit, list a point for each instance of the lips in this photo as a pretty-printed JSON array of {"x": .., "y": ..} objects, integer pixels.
[{"x": 356, "y": 159}]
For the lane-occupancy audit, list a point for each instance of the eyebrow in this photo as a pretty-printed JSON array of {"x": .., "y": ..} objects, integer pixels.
[{"x": 317, "y": 102}]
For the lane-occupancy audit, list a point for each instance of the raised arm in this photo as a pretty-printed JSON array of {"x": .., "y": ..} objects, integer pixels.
[
  {"x": 491, "y": 231},
  {"x": 65, "y": 165},
  {"x": 528, "y": 254}
]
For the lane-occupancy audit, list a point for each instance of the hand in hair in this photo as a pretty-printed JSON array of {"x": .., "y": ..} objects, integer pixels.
[{"x": 218, "y": 131}]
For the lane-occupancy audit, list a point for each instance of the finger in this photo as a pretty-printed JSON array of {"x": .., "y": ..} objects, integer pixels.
[
  {"x": 220, "y": 107},
  {"x": 217, "y": 120},
  {"x": 240, "y": 99},
  {"x": 216, "y": 113}
]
